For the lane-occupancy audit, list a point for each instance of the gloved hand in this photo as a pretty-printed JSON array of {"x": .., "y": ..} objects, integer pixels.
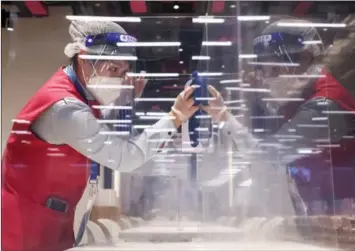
[
  {"x": 183, "y": 107},
  {"x": 139, "y": 85},
  {"x": 126, "y": 95},
  {"x": 216, "y": 107}
]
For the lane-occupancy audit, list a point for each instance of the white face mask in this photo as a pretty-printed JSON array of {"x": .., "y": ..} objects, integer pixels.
[
  {"x": 105, "y": 89},
  {"x": 280, "y": 87}
]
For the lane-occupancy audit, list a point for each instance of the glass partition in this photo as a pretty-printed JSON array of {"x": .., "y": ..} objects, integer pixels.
[{"x": 273, "y": 166}]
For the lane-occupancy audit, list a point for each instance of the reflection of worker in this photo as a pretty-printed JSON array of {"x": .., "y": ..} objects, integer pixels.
[
  {"x": 57, "y": 134},
  {"x": 300, "y": 175},
  {"x": 318, "y": 129}
]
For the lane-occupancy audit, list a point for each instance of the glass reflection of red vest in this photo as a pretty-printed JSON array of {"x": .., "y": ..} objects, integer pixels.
[
  {"x": 33, "y": 170},
  {"x": 334, "y": 169}
]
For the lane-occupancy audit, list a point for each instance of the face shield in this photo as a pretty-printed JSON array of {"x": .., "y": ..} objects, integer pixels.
[
  {"x": 278, "y": 53},
  {"x": 277, "y": 65},
  {"x": 108, "y": 59}
]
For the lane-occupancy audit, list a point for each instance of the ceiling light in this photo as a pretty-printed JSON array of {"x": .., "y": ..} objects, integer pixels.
[
  {"x": 210, "y": 74},
  {"x": 100, "y": 86},
  {"x": 9, "y": 24},
  {"x": 228, "y": 81},
  {"x": 114, "y": 121},
  {"x": 209, "y": 19},
  {"x": 21, "y": 132},
  {"x": 323, "y": 25},
  {"x": 247, "y": 89},
  {"x": 328, "y": 145},
  {"x": 113, "y": 107},
  {"x": 157, "y": 113},
  {"x": 302, "y": 76},
  {"x": 141, "y": 126},
  {"x": 20, "y": 121},
  {"x": 248, "y": 56},
  {"x": 201, "y": 58},
  {"x": 155, "y": 99},
  {"x": 338, "y": 112},
  {"x": 104, "y": 19},
  {"x": 152, "y": 129},
  {"x": 282, "y": 99},
  {"x": 148, "y": 44},
  {"x": 56, "y": 154},
  {"x": 176, "y": 7},
  {"x": 313, "y": 42},
  {"x": 253, "y": 18},
  {"x": 180, "y": 49},
  {"x": 246, "y": 183},
  {"x": 204, "y": 99},
  {"x": 259, "y": 130},
  {"x": 319, "y": 118},
  {"x": 216, "y": 43},
  {"x": 181, "y": 62},
  {"x": 275, "y": 64},
  {"x": 100, "y": 57},
  {"x": 155, "y": 117},
  {"x": 228, "y": 102},
  {"x": 305, "y": 150},
  {"x": 267, "y": 117},
  {"x": 203, "y": 116},
  {"x": 114, "y": 133},
  {"x": 144, "y": 74}
]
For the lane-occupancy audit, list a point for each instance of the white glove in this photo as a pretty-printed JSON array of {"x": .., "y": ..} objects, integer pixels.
[
  {"x": 127, "y": 95},
  {"x": 183, "y": 107},
  {"x": 216, "y": 107},
  {"x": 139, "y": 85}
]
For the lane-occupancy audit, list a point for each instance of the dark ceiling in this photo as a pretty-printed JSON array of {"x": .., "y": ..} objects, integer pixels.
[{"x": 149, "y": 8}]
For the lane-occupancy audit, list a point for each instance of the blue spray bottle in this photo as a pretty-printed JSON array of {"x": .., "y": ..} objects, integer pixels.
[{"x": 200, "y": 127}]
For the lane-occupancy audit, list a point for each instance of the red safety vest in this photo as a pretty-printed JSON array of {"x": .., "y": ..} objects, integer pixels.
[
  {"x": 34, "y": 170},
  {"x": 332, "y": 170}
]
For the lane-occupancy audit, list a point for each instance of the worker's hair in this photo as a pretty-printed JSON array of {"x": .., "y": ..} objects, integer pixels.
[
  {"x": 339, "y": 59},
  {"x": 74, "y": 61}
]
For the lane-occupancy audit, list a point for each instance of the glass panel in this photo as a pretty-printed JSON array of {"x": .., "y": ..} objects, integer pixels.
[{"x": 265, "y": 162}]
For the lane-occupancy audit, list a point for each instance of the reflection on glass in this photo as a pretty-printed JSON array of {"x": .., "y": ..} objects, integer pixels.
[{"x": 268, "y": 156}]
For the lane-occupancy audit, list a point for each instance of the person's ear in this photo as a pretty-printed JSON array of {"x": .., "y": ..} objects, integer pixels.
[{"x": 83, "y": 69}]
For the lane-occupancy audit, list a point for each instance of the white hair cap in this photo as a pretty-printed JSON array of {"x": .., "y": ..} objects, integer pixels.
[
  {"x": 78, "y": 30},
  {"x": 308, "y": 33}
]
